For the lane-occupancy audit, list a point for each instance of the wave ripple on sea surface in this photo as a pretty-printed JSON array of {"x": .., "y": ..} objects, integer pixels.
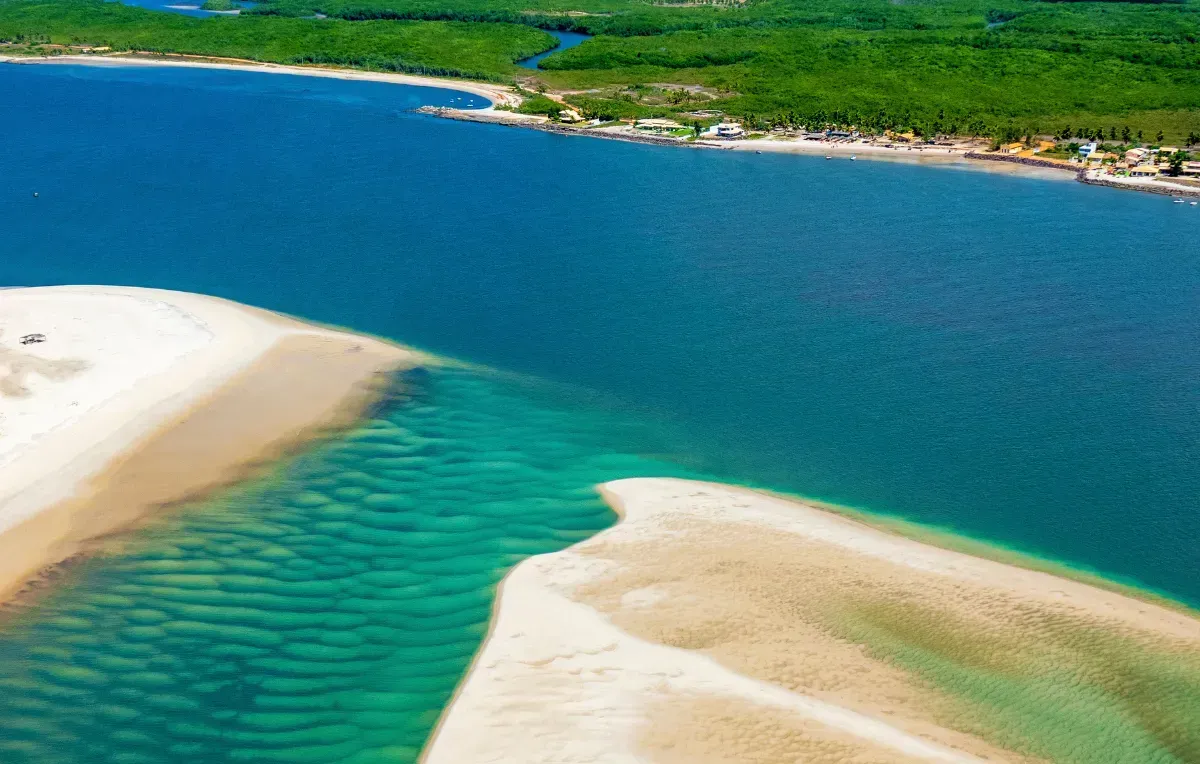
[{"x": 326, "y": 614}]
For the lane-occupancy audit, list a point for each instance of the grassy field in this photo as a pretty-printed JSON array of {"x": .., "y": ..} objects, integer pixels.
[{"x": 1003, "y": 68}]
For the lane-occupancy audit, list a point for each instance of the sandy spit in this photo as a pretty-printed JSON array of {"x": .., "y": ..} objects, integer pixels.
[
  {"x": 701, "y": 629},
  {"x": 141, "y": 398},
  {"x": 496, "y": 94}
]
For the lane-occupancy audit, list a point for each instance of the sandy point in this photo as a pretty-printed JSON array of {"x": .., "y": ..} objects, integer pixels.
[
  {"x": 498, "y": 95},
  {"x": 719, "y": 624},
  {"x": 117, "y": 401}
]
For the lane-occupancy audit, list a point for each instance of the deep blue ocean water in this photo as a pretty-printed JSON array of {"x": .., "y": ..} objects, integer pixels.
[{"x": 1011, "y": 358}]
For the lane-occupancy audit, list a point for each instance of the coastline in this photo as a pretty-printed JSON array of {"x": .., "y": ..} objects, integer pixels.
[
  {"x": 969, "y": 159},
  {"x": 130, "y": 384},
  {"x": 715, "y": 623},
  {"x": 496, "y": 94},
  {"x": 963, "y": 158}
]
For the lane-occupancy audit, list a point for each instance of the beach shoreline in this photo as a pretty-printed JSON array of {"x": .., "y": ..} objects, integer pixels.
[
  {"x": 504, "y": 96},
  {"x": 497, "y": 95},
  {"x": 702, "y": 627},
  {"x": 141, "y": 399}
]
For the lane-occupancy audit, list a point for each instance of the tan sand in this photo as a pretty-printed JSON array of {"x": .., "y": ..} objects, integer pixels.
[
  {"x": 499, "y": 95},
  {"x": 716, "y": 624},
  {"x": 935, "y": 156},
  {"x": 164, "y": 396}
]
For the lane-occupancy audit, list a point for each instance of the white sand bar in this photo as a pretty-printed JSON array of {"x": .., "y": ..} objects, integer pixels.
[
  {"x": 115, "y": 366},
  {"x": 559, "y": 684},
  {"x": 697, "y": 631},
  {"x": 496, "y": 94}
]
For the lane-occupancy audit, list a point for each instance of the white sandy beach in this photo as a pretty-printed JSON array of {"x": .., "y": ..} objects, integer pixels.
[
  {"x": 118, "y": 365},
  {"x": 938, "y": 156},
  {"x": 495, "y": 94},
  {"x": 691, "y": 633}
]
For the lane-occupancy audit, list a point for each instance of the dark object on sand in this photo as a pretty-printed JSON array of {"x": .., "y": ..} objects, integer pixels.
[{"x": 30, "y": 339}]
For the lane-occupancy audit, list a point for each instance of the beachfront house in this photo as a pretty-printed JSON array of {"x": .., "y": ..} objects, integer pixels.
[
  {"x": 1134, "y": 156},
  {"x": 1144, "y": 171},
  {"x": 1191, "y": 168},
  {"x": 1012, "y": 148},
  {"x": 727, "y": 130},
  {"x": 1086, "y": 150},
  {"x": 570, "y": 115},
  {"x": 658, "y": 126}
]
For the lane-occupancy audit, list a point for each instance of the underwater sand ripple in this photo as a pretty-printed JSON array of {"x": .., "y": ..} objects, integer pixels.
[{"x": 324, "y": 616}]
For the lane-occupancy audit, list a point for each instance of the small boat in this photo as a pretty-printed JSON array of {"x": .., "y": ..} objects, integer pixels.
[
  {"x": 828, "y": 157},
  {"x": 757, "y": 152},
  {"x": 853, "y": 157},
  {"x": 1179, "y": 201},
  {"x": 1193, "y": 203},
  {"x": 35, "y": 193}
]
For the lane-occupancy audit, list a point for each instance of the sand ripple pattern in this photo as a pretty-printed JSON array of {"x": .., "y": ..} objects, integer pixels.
[{"x": 325, "y": 615}]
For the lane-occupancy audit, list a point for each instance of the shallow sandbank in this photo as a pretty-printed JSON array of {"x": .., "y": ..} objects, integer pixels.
[
  {"x": 142, "y": 398},
  {"x": 716, "y": 624}
]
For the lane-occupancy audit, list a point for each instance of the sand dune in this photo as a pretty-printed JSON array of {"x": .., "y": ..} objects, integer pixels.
[
  {"x": 139, "y": 398},
  {"x": 716, "y": 624}
]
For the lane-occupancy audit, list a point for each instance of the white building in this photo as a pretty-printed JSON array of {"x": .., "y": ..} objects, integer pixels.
[
  {"x": 1133, "y": 156},
  {"x": 727, "y": 130},
  {"x": 658, "y": 125}
]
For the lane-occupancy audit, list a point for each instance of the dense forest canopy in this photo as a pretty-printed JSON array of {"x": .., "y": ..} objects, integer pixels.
[{"x": 1011, "y": 67}]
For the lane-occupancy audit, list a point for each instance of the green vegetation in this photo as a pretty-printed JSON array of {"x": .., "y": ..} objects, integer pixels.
[
  {"x": 928, "y": 81},
  {"x": 1004, "y": 68},
  {"x": 219, "y": 5},
  {"x": 454, "y": 49},
  {"x": 538, "y": 103}
]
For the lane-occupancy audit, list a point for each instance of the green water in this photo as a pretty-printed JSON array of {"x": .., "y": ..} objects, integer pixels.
[{"x": 325, "y": 614}]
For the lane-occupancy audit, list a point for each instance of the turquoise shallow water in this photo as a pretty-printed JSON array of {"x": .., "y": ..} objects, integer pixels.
[
  {"x": 324, "y": 615},
  {"x": 1009, "y": 358}
]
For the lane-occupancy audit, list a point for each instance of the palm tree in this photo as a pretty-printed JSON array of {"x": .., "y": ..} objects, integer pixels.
[{"x": 1176, "y": 163}]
